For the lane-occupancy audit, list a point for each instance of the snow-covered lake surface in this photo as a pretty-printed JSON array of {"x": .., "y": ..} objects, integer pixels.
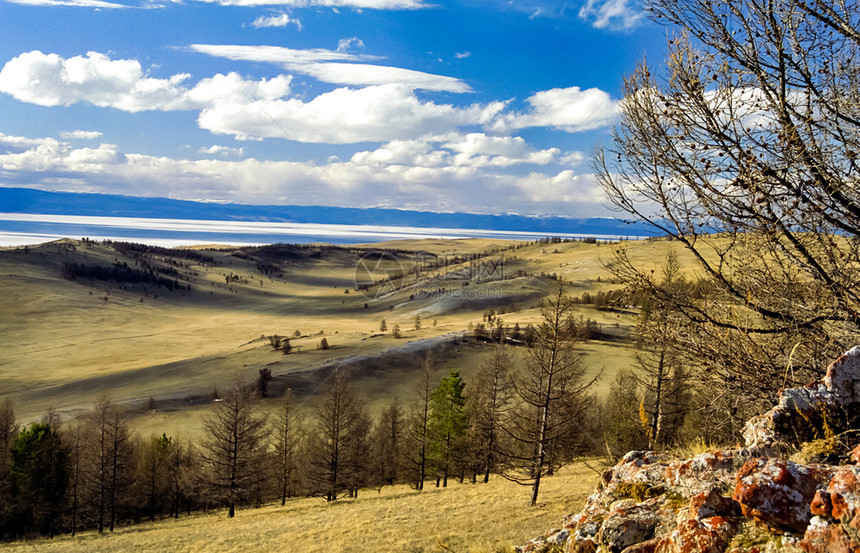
[{"x": 19, "y": 229}]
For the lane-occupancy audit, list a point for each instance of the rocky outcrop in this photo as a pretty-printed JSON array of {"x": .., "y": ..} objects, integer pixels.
[
  {"x": 744, "y": 500},
  {"x": 802, "y": 413}
]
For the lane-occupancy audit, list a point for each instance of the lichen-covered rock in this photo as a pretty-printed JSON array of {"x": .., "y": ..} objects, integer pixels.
[
  {"x": 802, "y": 413},
  {"x": 854, "y": 456},
  {"x": 826, "y": 537},
  {"x": 709, "y": 535},
  {"x": 778, "y": 492},
  {"x": 656, "y": 503},
  {"x": 844, "y": 492},
  {"x": 554, "y": 538},
  {"x": 711, "y": 503},
  {"x": 629, "y": 523},
  {"x": 705, "y": 472},
  {"x": 821, "y": 504}
]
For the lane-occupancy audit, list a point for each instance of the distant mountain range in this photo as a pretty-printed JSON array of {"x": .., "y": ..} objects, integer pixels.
[{"x": 26, "y": 200}]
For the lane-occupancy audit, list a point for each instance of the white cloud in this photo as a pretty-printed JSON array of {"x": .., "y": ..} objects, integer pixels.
[
  {"x": 617, "y": 15},
  {"x": 80, "y": 135},
  {"x": 342, "y": 116},
  {"x": 357, "y": 4},
  {"x": 345, "y": 44},
  {"x": 12, "y": 144},
  {"x": 335, "y": 67},
  {"x": 71, "y": 3},
  {"x": 566, "y": 187},
  {"x": 233, "y": 89},
  {"x": 568, "y": 109},
  {"x": 277, "y": 54},
  {"x": 462, "y": 55},
  {"x": 49, "y": 80},
  {"x": 455, "y": 150},
  {"x": 223, "y": 151},
  {"x": 360, "y": 74},
  {"x": 276, "y": 20},
  {"x": 407, "y": 174}
]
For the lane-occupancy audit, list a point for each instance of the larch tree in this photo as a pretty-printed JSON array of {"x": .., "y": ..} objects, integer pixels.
[
  {"x": 418, "y": 436},
  {"x": 182, "y": 469},
  {"x": 108, "y": 462},
  {"x": 231, "y": 448},
  {"x": 488, "y": 403},
  {"x": 388, "y": 445},
  {"x": 287, "y": 436},
  {"x": 552, "y": 396},
  {"x": 340, "y": 419}
]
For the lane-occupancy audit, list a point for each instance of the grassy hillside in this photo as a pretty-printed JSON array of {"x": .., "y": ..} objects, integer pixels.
[
  {"x": 175, "y": 325},
  {"x": 466, "y": 518}
]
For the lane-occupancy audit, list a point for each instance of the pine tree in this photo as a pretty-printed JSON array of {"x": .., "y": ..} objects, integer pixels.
[
  {"x": 8, "y": 434},
  {"x": 447, "y": 423},
  {"x": 39, "y": 476}
]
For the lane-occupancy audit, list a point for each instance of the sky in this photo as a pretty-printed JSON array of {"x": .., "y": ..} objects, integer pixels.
[{"x": 473, "y": 106}]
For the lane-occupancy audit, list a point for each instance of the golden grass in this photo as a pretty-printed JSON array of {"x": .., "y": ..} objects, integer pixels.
[
  {"x": 63, "y": 347},
  {"x": 464, "y": 518}
]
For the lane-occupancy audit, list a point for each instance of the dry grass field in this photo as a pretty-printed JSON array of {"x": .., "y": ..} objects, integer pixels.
[
  {"x": 161, "y": 353},
  {"x": 66, "y": 342},
  {"x": 464, "y": 518}
]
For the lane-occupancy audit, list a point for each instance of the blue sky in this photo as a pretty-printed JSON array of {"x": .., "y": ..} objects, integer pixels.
[{"x": 469, "y": 105}]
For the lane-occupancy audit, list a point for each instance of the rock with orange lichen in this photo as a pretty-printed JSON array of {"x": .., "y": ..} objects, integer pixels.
[
  {"x": 655, "y": 503},
  {"x": 779, "y": 492}
]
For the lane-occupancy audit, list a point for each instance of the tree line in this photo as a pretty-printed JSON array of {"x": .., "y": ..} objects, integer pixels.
[{"x": 519, "y": 416}]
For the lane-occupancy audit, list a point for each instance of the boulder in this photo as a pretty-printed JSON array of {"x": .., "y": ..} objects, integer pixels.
[
  {"x": 779, "y": 492},
  {"x": 656, "y": 503},
  {"x": 802, "y": 413}
]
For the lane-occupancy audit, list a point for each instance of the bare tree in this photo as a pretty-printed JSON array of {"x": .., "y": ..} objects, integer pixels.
[
  {"x": 153, "y": 466},
  {"x": 75, "y": 437},
  {"x": 182, "y": 469},
  {"x": 418, "y": 437},
  {"x": 553, "y": 397},
  {"x": 744, "y": 149},
  {"x": 230, "y": 452},
  {"x": 340, "y": 423},
  {"x": 388, "y": 445},
  {"x": 108, "y": 461},
  {"x": 488, "y": 404},
  {"x": 287, "y": 434}
]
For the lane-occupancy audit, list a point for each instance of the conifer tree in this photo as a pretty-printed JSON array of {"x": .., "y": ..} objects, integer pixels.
[{"x": 447, "y": 424}]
